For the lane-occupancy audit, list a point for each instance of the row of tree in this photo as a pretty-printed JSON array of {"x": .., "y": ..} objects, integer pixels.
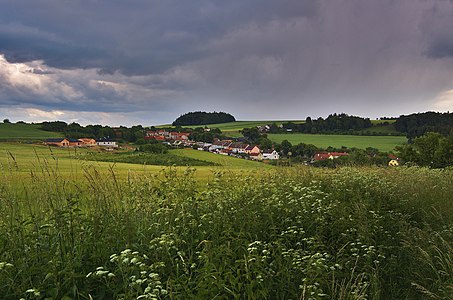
[
  {"x": 75, "y": 130},
  {"x": 334, "y": 123}
]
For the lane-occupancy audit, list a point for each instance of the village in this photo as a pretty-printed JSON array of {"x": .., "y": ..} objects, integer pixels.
[{"x": 229, "y": 147}]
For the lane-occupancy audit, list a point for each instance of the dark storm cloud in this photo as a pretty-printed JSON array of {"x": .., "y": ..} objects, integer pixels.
[
  {"x": 256, "y": 59},
  {"x": 135, "y": 37},
  {"x": 437, "y": 27}
]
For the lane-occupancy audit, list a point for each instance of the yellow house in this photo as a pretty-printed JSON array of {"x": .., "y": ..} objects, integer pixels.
[
  {"x": 393, "y": 163},
  {"x": 252, "y": 150}
]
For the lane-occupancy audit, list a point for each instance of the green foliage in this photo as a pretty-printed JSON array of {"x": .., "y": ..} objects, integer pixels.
[
  {"x": 75, "y": 130},
  {"x": 334, "y": 123},
  {"x": 265, "y": 143},
  {"x": 199, "y": 135},
  {"x": 251, "y": 134},
  {"x": 202, "y": 118},
  {"x": 416, "y": 125},
  {"x": 432, "y": 150},
  {"x": 285, "y": 147},
  {"x": 153, "y": 148}
]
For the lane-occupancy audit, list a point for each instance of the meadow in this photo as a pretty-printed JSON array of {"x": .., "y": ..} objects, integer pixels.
[
  {"x": 243, "y": 232},
  {"x": 72, "y": 229},
  {"x": 383, "y": 143}
]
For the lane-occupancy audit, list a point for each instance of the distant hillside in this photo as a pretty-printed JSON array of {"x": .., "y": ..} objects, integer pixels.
[
  {"x": 201, "y": 117},
  {"x": 416, "y": 125},
  {"x": 21, "y": 131}
]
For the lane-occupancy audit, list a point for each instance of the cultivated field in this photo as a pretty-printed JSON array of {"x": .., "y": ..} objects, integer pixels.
[
  {"x": 383, "y": 143},
  {"x": 24, "y": 132}
]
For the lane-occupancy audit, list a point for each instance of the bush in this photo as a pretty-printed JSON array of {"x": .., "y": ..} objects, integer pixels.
[{"x": 154, "y": 148}]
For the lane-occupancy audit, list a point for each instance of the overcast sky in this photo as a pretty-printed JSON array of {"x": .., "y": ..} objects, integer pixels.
[{"x": 148, "y": 61}]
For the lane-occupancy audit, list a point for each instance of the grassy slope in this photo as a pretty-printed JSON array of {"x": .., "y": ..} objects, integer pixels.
[
  {"x": 383, "y": 143},
  {"x": 29, "y": 158},
  {"x": 24, "y": 131}
]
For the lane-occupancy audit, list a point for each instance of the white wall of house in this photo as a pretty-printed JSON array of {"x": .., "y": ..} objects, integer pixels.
[
  {"x": 111, "y": 144},
  {"x": 273, "y": 155}
]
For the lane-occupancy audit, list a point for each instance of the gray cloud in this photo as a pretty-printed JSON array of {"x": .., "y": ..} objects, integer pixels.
[{"x": 255, "y": 59}]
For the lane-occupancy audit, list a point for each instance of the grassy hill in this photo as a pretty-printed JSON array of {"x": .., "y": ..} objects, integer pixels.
[{"x": 10, "y": 131}]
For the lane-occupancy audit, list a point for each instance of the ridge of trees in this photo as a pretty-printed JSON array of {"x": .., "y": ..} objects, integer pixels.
[
  {"x": 418, "y": 124},
  {"x": 202, "y": 117}
]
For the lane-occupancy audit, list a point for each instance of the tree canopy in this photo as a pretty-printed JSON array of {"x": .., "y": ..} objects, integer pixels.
[
  {"x": 416, "y": 125},
  {"x": 202, "y": 118}
]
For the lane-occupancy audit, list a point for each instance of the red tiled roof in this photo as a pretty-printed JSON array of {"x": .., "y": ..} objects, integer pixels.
[{"x": 326, "y": 155}]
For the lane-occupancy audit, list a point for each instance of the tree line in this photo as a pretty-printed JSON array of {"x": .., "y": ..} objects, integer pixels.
[
  {"x": 416, "y": 125},
  {"x": 333, "y": 124},
  {"x": 75, "y": 130}
]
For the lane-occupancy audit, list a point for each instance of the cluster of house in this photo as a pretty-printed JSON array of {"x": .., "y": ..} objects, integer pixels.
[
  {"x": 328, "y": 155},
  {"x": 167, "y": 136},
  {"x": 238, "y": 149},
  {"x": 394, "y": 160},
  {"x": 82, "y": 142}
]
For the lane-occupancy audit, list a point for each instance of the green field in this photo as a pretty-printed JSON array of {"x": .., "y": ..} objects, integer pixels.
[
  {"x": 24, "y": 132},
  {"x": 383, "y": 143}
]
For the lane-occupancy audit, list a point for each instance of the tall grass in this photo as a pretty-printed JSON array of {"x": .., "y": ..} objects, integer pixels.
[{"x": 287, "y": 234}]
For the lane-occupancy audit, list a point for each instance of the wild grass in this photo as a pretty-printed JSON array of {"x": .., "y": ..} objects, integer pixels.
[{"x": 298, "y": 233}]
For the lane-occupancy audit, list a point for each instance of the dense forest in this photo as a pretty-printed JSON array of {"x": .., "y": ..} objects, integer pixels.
[
  {"x": 202, "y": 118},
  {"x": 416, "y": 125}
]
